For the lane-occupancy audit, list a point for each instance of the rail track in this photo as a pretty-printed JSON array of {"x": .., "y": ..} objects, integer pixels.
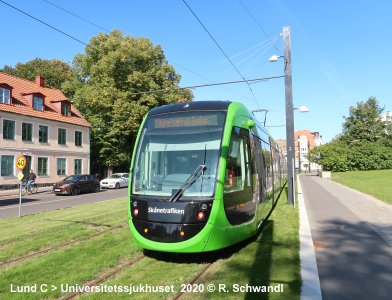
[{"x": 61, "y": 246}]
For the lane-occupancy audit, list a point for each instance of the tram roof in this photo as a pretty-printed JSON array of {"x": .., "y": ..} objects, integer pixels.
[{"x": 190, "y": 106}]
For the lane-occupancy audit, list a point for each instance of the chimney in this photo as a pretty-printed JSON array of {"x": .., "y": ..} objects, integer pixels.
[{"x": 40, "y": 81}]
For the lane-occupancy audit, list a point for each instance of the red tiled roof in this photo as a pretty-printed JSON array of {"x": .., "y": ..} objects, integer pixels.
[{"x": 21, "y": 87}]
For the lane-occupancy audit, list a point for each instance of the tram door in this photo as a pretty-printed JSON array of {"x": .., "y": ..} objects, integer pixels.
[{"x": 238, "y": 193}]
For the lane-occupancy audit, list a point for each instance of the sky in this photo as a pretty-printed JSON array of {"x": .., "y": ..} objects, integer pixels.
[{"x": 340, "y": 49}]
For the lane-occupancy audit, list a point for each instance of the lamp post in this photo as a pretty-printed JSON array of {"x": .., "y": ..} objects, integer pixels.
[
  {"x": 299, "y": 156},
  {"x": 289, "y": 113}
]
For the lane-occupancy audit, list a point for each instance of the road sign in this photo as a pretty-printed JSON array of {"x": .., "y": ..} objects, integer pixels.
[
  {"x": 20, "y": 176},
  {"x": 21, "y": 162}
]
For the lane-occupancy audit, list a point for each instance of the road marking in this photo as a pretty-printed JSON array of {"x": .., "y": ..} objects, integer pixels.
[
  {"x": 58, "y": 200},
  {"x": 38, "y": 203}
]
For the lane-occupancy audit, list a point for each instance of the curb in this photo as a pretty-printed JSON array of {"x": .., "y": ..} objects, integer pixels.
[
  {"x": 310, "y": 288},
  {"x": 15, "y": 193}
]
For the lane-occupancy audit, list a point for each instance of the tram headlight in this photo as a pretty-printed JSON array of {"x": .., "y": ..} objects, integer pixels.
[
  {"x": 200, "y": 215},
  {"x": 203, "y": 207},
  {"x": 135, "y": 212}
]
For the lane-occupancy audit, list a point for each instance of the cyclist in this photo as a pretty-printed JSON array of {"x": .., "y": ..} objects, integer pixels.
[{"x": 30, "y": 180}]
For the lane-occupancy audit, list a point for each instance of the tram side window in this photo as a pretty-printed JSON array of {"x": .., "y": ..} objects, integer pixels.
[
  {"x": 268, "y": 168},
  {"x": 238, "y": 167}
]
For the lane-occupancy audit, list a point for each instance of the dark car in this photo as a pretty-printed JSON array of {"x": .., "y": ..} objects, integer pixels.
[{"x": 76, "y": 184}]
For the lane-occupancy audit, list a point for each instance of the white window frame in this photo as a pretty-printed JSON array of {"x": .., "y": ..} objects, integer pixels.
[
  {"x": 81, "y": 165},
  {"x": 2, "y": 95},
  {"x": 2, "y": 131},
  {"x": 47, "y": 126},
  {"x": 13, "y": 163},
  {"x": 32, "y": 132},
  {"x": 57, "y": 166},
  {"x": 58, "y": 136},
  {"x": 47, "y": 166}
]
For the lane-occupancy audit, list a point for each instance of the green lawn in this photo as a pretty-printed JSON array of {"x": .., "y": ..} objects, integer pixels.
[
  {"x": 376, "y": 183},
  {"x": 270, "y": 259}
]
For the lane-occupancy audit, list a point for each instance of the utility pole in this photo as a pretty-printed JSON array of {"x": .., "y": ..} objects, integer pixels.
[{"x": 289, "y": 116}]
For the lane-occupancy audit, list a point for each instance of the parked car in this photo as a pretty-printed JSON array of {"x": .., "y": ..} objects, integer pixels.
[
  {"x": 76, "y": 184},
  {"x": 115, "y": 181}
]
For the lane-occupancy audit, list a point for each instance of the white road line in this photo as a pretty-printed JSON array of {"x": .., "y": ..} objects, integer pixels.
[{"x": 38, "y": 203}]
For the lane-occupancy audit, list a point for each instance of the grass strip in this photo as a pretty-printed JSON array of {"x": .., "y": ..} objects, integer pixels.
[
  {"x": 89, "y": 214},
  {"x": 52, "y": 229},
  {"x": 75, "y": 265},
  {"x": 377, "y": 183},
  {"x": 270, "y": 260},
  {"x": 165, "y": 271}
]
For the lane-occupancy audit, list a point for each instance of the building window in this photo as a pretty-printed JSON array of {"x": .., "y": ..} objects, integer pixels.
[
  {"x": 65, "y": 109},
  {"x": 5, "y": 95},
  {"x": 62, "y": 136},
  {"x": 61, "y": 166},
  {"x": 27, "y": 132},
  {"x": 42, "y": 166},
  {"x": 7, "y": 165},
  {"x": 43, "y": 134},
  {"x": 38, "y": 103},
  {"x": 78, "y": 166},
  {"x": 78, "y": 138},
  {"x": 8, "y": 130}
]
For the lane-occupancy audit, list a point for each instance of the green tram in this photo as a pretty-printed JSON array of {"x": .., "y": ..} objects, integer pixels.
[{"x": 204, "y": 176}]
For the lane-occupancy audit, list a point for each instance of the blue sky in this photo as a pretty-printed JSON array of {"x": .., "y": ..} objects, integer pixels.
[{"x": 340, "y": 49}]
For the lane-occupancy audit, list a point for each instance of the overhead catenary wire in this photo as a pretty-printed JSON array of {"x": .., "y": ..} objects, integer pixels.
[
  {"x": 250, "y": 81},
  {"x": 46, "y": 24},
  {"x": 221, "y": 49},
  {"x": 76, "y": 16},
  {"x": 257, "y": 23},
  {"x": 98, "y": 26}
]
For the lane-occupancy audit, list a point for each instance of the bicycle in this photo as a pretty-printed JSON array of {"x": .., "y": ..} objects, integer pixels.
[{"x": 32, "y": 189}]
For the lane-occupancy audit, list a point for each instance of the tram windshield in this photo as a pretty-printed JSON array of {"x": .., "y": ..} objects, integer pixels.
[{"x": 171, "y": 147}]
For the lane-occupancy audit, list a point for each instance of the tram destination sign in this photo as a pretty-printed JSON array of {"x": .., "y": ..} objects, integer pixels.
[{"x": 186, "y": 121}]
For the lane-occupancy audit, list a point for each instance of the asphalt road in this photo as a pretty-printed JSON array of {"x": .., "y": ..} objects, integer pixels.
[
  {"x": 354, "y": 261},
  {"x": 45, "y": 201}
]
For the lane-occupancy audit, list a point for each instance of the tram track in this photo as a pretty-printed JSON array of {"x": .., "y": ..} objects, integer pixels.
[
  {"x": 61, "y": 246},
  {"x": 106, "y": 276},
  {"x": 194, "y": 279},
  {"x": 60, "y": 227}
]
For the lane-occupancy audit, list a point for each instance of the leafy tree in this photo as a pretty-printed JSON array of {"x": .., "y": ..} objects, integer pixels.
[
  {"x": 55, "y": 71},
  {"x": 364, "y": 123},
  {"x": 332, "y": 156},
  {"x": 112, "y": 73},
  {"x": 365, "y": 143}
]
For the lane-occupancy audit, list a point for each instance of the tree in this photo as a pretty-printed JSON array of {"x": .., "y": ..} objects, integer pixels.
[
  {"x": 365, "y": 143},
  {"x": 55, "y": 71},
  {"x": 112, "y": 73},
  {"x": 364, "y": 123},
  {"x": 332, "y": 156}
]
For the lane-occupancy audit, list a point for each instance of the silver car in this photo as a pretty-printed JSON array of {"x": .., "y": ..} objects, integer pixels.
[{"x": 115, "y": 181}]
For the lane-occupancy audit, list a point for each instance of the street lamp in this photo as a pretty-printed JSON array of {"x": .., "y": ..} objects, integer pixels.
[
  {"x": 289, "y": 113},
  {"x": 302, "y": 109}
]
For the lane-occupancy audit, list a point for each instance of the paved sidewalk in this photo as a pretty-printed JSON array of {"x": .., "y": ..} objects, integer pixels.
[{"x": 352, "y": 238}]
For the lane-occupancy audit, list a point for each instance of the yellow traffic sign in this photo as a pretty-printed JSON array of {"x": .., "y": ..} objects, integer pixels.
[
  {"x": 20, "y": 176},
  {"x": 21, "y": 162}
]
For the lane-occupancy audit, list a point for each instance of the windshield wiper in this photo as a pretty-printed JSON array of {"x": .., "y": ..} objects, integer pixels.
[{"x": 191, "y": 179}]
